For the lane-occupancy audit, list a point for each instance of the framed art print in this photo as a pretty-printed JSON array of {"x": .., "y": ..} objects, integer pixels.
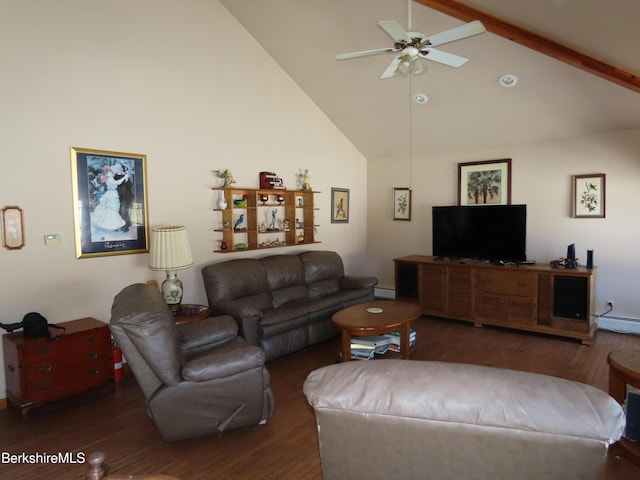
[
  {"x": 110, "y": 202},
  {"x": 402, "y": 204},
  {"x": 588, "y": 195},
  {"x": 12, "y": 228},
  {"x": 485, "y": 183},
  {"x": 339, "y": 205}
]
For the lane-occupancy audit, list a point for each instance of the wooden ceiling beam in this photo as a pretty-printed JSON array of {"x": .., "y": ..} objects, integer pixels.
[{"x": 537, "y": 42}]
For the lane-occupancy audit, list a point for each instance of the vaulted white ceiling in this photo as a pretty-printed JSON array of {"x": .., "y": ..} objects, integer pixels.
[{"x": 466, "y": 106}]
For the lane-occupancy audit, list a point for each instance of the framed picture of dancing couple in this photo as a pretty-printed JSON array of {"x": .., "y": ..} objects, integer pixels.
[{"x": 110, "y": 202}]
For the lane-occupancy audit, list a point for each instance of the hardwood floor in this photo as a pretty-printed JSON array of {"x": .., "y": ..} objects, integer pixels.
[{"x": 286, "y": 447}]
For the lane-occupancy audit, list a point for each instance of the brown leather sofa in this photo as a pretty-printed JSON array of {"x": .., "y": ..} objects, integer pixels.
[
  {"x": 282, "y": 303},
  {"x": 197, "y": 378},
  {"x": 428, "y": 420}
]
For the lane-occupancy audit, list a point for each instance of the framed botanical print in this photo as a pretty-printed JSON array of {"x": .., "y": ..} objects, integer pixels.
[
  {"x": 588, "y": 195},
  {"x": 339, "y": 205},
  {"x": 485, "y": 183},
  {"x": 110, "y": 202},
  {"x": 402, "y": 204}
]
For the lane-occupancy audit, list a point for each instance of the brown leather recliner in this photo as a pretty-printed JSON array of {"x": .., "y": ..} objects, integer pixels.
[{"x": 198, "y": 378}]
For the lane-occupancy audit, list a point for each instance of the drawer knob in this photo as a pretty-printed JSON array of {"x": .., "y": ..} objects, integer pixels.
[
  {"x": 43, "y": 350},
  {"x": 94, "y": 371},
  {"x": 46, "y": 385},
  {"x": 92, "y": 355},
  {"x": 45, "y": 368},
  {"x": 522, "y": 284},
  {"x": 90, "y": 340}
]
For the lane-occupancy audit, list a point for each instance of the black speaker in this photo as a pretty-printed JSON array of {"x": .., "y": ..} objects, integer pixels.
[
  {"x": 570, "y": 297},
  {"x": 589, "y": 258},
  {"x": 407, "y": 280},
  {"x": 571, "y": 251},
  {"x": 632, "y": 428}
]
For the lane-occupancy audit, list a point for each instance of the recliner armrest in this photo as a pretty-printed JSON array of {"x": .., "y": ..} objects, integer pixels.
[
  {"x": 223, "y": 363},
  {"x": 207, "y": 333},
  {"x": 353, "y": 282}
]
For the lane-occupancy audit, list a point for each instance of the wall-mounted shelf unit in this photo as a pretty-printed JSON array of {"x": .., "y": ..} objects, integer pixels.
[{"x": 254, "y": 219}]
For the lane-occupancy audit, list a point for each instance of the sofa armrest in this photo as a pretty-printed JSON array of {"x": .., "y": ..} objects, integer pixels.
[
  {"x": 354, "y": 282},
  {"x": 207, "y": 333},
  {"x": 223, "y": 363},
  {"x": 246, "y": 314}
]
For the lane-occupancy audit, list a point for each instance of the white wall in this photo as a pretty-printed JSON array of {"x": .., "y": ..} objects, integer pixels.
[
  {"x": 541, "y": 178},
  {"x": 184, "y": 84}
]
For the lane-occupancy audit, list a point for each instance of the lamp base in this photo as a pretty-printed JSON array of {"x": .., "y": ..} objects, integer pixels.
[{"x": 172, "y": 290}]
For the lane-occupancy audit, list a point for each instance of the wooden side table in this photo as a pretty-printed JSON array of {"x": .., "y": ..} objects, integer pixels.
[
  {"x": 188, "y": 313},
  {"x": 624, "y": 368}
]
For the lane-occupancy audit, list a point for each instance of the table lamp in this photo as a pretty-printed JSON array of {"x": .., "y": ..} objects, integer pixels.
[{"x": 170, "y": 252}]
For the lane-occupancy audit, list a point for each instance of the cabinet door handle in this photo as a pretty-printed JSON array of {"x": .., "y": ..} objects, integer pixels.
[
  {"x": 90, "y": 340},
  {"x": 45, "y": 368},
  {"x": 43, "y": 350},
  {"x": 92, "y": 355}
]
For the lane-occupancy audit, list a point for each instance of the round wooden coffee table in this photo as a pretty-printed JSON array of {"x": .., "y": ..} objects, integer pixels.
[
  {"x": 624, "y": 368},
  {"x": 376, "y": 318}
]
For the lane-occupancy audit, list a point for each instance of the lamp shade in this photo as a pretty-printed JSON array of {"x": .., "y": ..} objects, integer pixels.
[{"x": 170, "y": 248}]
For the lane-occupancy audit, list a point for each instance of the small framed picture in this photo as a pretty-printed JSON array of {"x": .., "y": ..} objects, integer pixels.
[
  {"x": 485, "y": 183},
  {"x": 110, "y": 202},
  {"x": 12, "y": 228},
  {"x": 402, "y": 203},
  {"x": 588, "y": 195},
  {"x": 339, "y": 205}
]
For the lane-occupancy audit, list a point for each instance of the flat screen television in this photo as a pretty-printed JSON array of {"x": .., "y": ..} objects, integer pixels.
[{"x": 486, "y": 232}]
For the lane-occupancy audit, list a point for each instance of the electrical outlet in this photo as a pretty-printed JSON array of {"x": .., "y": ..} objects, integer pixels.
[{"x": 610, "y": 303}]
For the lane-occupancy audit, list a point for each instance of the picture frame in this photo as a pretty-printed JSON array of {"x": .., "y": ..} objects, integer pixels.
[
  {"x": 12, "y": 228},
  {"x": 402, "y": 203},
  {"x": 588, "y": 195},
  {"x": 110, "y": 202},
  {"x": 485, "y": 182},
  {"x": 339, "y": 205}
]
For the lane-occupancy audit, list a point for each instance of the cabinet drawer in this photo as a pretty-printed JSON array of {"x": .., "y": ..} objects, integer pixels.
[
  {"x": 507, "y": 282},
  {"x": 78, "y": 361},
  {"x": 81, "y": 379},
  {"x": 37, "y": 350}
]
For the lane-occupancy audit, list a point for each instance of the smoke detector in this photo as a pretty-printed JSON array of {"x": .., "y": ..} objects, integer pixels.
[{"x": 508, "y": 80}]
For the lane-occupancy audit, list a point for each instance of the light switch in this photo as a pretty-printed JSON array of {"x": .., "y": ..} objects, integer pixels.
[{"x": 52, "y": 239}]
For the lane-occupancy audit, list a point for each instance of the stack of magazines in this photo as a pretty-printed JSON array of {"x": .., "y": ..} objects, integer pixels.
[{"x": 365, "y": 348}]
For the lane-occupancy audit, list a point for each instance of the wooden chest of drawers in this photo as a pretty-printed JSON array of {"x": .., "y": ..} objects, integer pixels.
[{"x": 38, "y": 371}]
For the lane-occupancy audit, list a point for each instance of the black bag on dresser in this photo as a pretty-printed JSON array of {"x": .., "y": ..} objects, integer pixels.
[{"x": 34, "y": 325}]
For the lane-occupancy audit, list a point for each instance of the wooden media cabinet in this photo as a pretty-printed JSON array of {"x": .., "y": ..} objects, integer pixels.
[{"x": 534, "y": 298}]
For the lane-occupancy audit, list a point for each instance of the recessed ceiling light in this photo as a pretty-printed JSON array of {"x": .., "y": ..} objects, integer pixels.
[
  {"x": 508, "y": 80},
  {"x": 420, "y": 98}
]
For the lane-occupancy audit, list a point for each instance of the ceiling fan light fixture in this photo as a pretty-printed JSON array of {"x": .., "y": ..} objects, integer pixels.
[{"x": 418, "y": 68}]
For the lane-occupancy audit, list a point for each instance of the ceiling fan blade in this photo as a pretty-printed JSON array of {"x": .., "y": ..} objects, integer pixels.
[
  {"x": 443, "y": 57},
  {"x": 394, "y": 30},
  {"x": 391, "y": 69},
  {"x": 458, "y": 33},
  {"x": 364, "y": 53}
]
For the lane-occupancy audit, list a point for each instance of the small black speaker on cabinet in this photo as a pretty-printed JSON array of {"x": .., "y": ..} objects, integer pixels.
[
  {"x": 571, "y": 251},
  {"x": 589, "y": 258},
  {"x": 570, "y": 295}
]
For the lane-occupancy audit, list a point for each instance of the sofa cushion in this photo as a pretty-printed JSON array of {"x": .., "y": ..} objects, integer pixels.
[
  {"x": 233, "y": 279},
  {"x": 321, "y": 265}
]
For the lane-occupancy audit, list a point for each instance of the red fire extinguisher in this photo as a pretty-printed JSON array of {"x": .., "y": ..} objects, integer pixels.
[{"x": 116, "y": 355}]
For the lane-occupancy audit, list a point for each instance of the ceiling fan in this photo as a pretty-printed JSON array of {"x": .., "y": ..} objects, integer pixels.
[{"x": 412, "y": 46}]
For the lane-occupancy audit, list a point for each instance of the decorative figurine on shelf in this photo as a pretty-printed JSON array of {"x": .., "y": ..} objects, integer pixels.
[
  {"x": 223, "y": 245},
  {"x": 305, "y": 181},
  {"x": 264, "y": 198},
  {"x": 280, "y": 199},
  {"x": 238, "y": 225},
  {"x": 226, "y": 176},
  {"x": 272, "y": 225},
  {"x": 286, "y": 225}
]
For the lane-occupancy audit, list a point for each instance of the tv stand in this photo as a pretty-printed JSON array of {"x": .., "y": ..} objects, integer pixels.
[{"x": 530, "y": 297}]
